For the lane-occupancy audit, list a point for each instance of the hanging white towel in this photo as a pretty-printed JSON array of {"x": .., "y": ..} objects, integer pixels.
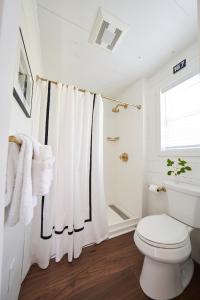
[
  {"x": 27, "y": 178},
  {"x": 13, "y": 158},
  {"x": 19, "y": 183}
]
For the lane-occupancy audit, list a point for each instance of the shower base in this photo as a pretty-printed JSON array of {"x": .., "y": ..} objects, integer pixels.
[{"x": 119, "y": 221}]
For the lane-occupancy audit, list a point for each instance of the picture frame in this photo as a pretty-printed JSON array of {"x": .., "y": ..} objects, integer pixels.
[{"x": 23, "y": 81}]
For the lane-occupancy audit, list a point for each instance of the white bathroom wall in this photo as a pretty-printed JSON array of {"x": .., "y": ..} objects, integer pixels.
[
  {"x": 110, "y": 152},
  {"x": 16, "y": 260},
  {"x": 9, "y": 22},
  {"x": 156, "y": 164},
  {"x": 123, "y": 180},
  {"x": 1, "y": 11},
  {"x": 130, "y": 130}
]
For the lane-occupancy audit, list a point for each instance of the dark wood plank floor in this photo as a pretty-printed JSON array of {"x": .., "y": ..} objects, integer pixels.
[{"x": 109, "y": 271}]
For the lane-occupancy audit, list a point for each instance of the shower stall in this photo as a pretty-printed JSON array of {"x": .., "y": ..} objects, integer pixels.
[{"x": 122, "y": 166}]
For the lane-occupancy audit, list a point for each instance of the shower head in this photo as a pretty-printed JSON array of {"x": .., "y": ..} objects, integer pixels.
[{"x": 116, "y": 108}]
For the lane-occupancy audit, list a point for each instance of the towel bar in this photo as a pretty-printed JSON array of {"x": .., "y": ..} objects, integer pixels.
[{"x": 13, "y": 139}]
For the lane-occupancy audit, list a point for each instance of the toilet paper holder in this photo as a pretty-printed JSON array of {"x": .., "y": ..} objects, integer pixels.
[
  {"x": 124, "y": 157},
  {"x": 161, "y": 189},
  {"x": 154, "y": 188}
]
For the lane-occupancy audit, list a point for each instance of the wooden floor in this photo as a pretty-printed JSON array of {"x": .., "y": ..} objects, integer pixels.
[{"x": 109, "y": 271}]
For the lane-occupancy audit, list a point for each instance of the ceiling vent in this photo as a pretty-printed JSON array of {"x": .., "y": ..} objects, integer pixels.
[{"x": 107, "y": 31}]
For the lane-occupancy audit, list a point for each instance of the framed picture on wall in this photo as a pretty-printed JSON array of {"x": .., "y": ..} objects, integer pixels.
[{"x": 23, "y": 82}]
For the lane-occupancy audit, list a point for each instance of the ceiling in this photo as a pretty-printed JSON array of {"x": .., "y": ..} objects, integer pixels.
[{"x": 158, "y": 29}]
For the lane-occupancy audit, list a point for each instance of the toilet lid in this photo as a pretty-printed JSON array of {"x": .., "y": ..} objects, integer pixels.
[{"x": 162, "y": 229}]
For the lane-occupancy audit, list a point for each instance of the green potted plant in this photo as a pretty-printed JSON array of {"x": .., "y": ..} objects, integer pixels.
[{"x": 178, "y": 167}]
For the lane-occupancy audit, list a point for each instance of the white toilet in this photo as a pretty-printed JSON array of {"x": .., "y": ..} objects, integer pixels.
[{"x": 165, "y": 242}]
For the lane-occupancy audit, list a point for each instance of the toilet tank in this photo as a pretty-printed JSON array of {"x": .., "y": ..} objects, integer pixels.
[{"x": 184, "y": 202}]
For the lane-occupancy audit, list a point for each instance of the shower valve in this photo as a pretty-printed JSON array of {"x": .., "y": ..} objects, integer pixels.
[{"x": 124, "y": 157}]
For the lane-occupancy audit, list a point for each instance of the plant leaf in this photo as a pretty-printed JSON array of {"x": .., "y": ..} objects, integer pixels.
[
  {"x": 188, "y": 168},
  {"x": 181, "y": 162},
  {"x": 170, "y": 173},
  {"x": 170, "y": 162}
]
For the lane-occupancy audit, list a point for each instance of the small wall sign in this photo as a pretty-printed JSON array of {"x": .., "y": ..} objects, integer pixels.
[{"x": 179, "y": 66}]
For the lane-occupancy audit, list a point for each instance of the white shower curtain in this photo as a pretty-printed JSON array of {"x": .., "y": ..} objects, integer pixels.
[{"x": 74, "y": 213}]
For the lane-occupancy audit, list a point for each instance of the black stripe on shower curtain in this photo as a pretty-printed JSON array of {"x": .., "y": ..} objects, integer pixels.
[{"x": 45, "y": 237}]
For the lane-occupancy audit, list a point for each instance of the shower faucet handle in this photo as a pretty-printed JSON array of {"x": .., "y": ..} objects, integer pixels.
[{"x": 124, "y": 157}]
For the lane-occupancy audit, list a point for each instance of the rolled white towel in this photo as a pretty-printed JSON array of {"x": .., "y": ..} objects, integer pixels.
[
  {"x": 42, "y": 169},
  {"x": 42, "y": 176},
  {"x": 45, "y": 152}
]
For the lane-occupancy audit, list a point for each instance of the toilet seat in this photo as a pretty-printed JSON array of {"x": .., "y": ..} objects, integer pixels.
[
  {"x": 163, "y": 246},
  {"x": 163, "y": 238},
  {"x": 163, "y": 231}
]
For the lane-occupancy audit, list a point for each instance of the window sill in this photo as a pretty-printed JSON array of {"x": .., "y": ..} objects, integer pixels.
[{"x": 180, "y": 152}]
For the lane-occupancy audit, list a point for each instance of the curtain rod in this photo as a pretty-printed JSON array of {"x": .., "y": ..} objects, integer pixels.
[{"x": 84, "y": 90}]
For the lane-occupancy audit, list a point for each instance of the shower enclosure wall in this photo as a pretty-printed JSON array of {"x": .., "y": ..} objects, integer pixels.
[{"x": 123, "y": 179}]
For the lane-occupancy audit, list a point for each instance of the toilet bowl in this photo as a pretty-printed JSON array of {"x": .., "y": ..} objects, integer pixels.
[{"x": 167, "y": 267}]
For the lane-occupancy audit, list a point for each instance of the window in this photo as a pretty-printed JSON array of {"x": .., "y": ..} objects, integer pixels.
[{"x": 180, "y": 116}]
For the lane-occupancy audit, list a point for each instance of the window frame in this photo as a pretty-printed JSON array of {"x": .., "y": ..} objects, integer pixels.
[{"x": 182, "y": 151}]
